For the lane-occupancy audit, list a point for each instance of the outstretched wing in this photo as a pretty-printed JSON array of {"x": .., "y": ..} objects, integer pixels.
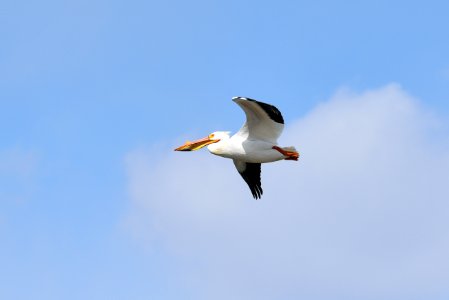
[
  {"x": 251, "y": 174},
  {"x": 263, "y": 121}
]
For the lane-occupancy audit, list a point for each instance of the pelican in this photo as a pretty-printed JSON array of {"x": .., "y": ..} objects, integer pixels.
[{"x": 255, "y": 143}]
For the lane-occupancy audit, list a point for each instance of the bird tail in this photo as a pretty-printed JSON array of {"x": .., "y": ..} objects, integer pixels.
[
  {"x": 291, "y": 153},
  {"x": 290, "y": 149}
]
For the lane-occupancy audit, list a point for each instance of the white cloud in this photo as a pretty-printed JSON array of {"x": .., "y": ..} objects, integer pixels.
[{"x": 363, "y": 215}]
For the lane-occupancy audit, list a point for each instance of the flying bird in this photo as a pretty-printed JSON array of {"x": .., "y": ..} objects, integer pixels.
[{"x": 255, "y": 143}]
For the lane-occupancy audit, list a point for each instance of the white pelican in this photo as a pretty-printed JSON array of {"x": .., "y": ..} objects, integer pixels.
[{"x": 253, "y": 144}]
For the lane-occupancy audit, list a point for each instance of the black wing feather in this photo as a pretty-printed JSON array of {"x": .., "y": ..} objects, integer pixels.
[
  {"x": 251, "y": 175},
  {"x": 271, "y": 111}
]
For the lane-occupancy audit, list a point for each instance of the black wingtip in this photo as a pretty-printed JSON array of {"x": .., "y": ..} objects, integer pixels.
[
  {"x": 251, "y": 175},
  {"x": 257, "y": 194},
  {"x": 271, "y": 110}
]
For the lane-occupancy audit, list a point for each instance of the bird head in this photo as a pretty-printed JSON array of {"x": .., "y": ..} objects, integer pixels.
[{"x": 214, "y": 137}]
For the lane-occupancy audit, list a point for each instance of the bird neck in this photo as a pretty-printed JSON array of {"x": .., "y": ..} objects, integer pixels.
[{"x": 218, "y": 148}]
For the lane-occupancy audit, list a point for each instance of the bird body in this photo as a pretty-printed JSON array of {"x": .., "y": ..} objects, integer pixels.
[
  {"x": 252, "y": 151},
  {"x": 255, "y": 143}
]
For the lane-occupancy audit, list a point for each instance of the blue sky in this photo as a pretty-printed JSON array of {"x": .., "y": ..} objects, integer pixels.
[{"x": 94, "y": 95}]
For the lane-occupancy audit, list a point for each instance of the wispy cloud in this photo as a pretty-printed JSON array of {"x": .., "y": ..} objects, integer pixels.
[{"x": 363, "y": 215}]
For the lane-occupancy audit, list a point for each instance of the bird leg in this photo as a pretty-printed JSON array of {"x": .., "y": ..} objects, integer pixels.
[{"x": 289, "y": 155}]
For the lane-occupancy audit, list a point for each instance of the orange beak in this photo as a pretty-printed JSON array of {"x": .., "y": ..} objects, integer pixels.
[{"x": 192, "y": 146}]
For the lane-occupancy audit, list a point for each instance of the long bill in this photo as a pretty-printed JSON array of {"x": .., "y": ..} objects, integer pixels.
[{"x": 196, "y": 145}]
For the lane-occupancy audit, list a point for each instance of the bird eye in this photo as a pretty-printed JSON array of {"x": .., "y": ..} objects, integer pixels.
[{"x": 211, "y": 136}]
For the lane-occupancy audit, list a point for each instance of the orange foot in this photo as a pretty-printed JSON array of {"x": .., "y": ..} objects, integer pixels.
[{"x": 289, "y": 155}]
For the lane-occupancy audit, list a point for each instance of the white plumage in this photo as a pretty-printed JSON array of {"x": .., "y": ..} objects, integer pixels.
[{"x": 253, "y": 144}]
